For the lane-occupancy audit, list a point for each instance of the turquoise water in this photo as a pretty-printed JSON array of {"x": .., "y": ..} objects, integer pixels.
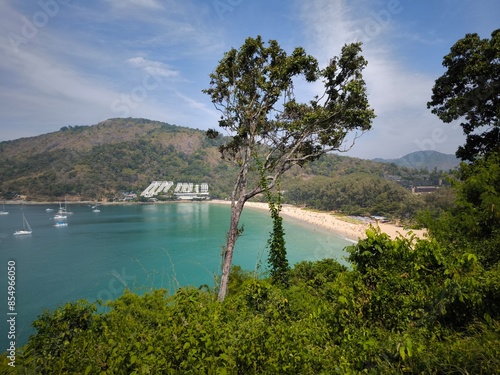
[{"x": 135, "y": 246}]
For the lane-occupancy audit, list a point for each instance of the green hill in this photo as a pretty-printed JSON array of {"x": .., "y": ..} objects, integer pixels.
[
  {"x": 124, "y": 155},
  {"x": 101, "y": 160}
]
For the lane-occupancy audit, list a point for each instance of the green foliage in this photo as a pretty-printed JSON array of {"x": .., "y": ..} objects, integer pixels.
[
  {"x": 252, "y": 84},
  {"x": 277, "y": 251},
  {"x": 316, "y": 274},
  {"x": 404, "y": 305},
  {"x": 277, "y": 260},
  {"x": 133, "y": 152},
  {"x": 354, "y": 194},
  {"x": 56, "y": 332},
  {"x": 473, "y": 224},
  {"x": 468, "y": 90}
]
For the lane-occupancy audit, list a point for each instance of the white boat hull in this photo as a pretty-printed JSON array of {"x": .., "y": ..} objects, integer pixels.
[{"x": 26, "y": 228}]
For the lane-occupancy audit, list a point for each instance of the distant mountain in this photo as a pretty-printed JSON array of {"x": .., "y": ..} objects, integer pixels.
[{"x": 426, "y": 160}]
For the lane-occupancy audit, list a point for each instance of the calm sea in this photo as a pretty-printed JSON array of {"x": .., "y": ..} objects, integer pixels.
[{"x": 135, "y": 246}]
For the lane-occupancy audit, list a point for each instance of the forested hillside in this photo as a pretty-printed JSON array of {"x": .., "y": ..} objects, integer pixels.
[
  {"x": 123, "y": 155},
  {"x": 93, "y": 162}
]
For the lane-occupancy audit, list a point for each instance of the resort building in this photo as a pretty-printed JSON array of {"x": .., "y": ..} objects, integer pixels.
[{"x": 182, "y": 190}]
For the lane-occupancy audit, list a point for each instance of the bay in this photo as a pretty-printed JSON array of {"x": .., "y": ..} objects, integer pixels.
[{"x": 138, "y": 247}]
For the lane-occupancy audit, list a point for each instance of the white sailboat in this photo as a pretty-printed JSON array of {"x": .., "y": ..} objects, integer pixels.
[
  {"x": 61, "y": 213},
  {"x": 63, "y": 210},
  {"x": 96, "y": 208},
  {"x": 26, "y": 228},
  {"x": 66, "y": 208},
  {"x": 3, "y": 212}
]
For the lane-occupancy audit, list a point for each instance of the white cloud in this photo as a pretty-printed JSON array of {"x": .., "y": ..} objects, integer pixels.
[
  {"x": 44, "y": 91},
  {"x": 136, "y": 4},
  {"x": 154, "y": 68},
  {"x": 57, "y": 79},
  {"x": 202, "y": 107},
  {"x": 154, "y": 57},
  {"x": 43, "y": 86},
  {"x": 429, "y": 40},
  {"x": 397, "y": 93}
]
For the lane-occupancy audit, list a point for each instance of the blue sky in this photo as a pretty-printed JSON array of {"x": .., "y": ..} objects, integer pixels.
[{"x": 73, "y": 62}]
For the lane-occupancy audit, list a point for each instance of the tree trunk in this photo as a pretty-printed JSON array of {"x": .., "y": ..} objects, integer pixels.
[{"x": 232, "y": 236}]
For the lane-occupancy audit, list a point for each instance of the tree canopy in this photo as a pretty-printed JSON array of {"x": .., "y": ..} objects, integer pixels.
[
  {"x": 470, "y": 90},
  {"x": 253, "y": 88},
  {"x": 473, "y": 223}
]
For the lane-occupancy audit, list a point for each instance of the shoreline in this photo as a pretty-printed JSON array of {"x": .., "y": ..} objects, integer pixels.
[
  {"x": 332, "y": 223},
  {"x": 326, "y": 220}
]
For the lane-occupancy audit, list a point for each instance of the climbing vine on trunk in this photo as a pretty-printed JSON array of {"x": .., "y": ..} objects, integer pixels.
[{"x": 277, "y": 260}]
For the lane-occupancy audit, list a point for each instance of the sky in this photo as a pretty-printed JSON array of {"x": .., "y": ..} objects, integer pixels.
[{"x": 75, "y": 62}]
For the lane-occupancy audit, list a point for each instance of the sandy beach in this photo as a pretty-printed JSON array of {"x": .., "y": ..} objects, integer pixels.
[{"x": 352, "y": 230}]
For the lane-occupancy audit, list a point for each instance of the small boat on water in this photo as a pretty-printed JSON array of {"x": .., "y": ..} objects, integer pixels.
[
  {"x": 96, "y": 208},
  {"x": 3, "y": 212},
  {"x": 26, "y": 228},
  {"x": 49, "y": 210},
  {"x": 61, "y": 224},
  {"x": 60, "y": 217},
  {"x": 64, "y": 210}
]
